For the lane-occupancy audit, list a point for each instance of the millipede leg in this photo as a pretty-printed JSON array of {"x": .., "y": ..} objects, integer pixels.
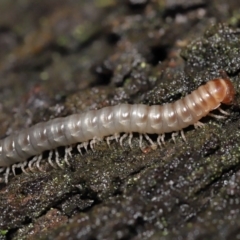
[
  {"x": 79, "y": 148},
  {"x": 183, "y": 136},
  {"x": 121, "y": 139},
  {"x": 223, "y": 112},
  {"x": 7, "y": 174},
  {"x": 153, "y": 144},
  {"x": 174, "y": 134},
  {"x": 130, "y": 140},
  {"x": 69, "y": 149},
  {"x": 67, "y": 152},
  {"x": 22, "y": 166},
  {"x": 198, "y": 125},
  {"x": 57, "y": 159},
  {"x": 31, "y": 162},
  {"x": 14, "y": 166},
  {"x": 98, "y": 140},
  {"x": 2, "y": 170},
  {"x": 216, "y": 116},
  {"x": 162, "y": 138},
  {"x": 38, "y": 163},
  {"x": 108, "y": 141},
  {"x": 140, "y": 140},
  {"x": 116, "y": 136},
  {"x": 85, "y": 145},
  {"x": 159, "y": 141},
  {"x": 50, "y": 159},
  {"x": 92, "y": 143}
]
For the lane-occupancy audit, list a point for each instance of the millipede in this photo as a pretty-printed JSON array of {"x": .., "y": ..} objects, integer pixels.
[{"x": 25, "y": 149}]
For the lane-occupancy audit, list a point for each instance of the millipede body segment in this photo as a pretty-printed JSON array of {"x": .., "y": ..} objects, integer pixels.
[{"x": 109, "y": 122}]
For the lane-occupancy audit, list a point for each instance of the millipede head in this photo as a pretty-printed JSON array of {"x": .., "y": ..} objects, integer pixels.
[
  {"x": 230, "y": 94},
  {"x": 222, "y": 90}
]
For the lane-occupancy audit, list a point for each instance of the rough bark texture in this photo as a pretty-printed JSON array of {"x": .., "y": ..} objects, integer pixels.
[{"x": 62, "y": 57}]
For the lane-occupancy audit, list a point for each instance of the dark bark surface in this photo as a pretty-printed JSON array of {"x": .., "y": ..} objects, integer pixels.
[{"x": 63, "y": 57}]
